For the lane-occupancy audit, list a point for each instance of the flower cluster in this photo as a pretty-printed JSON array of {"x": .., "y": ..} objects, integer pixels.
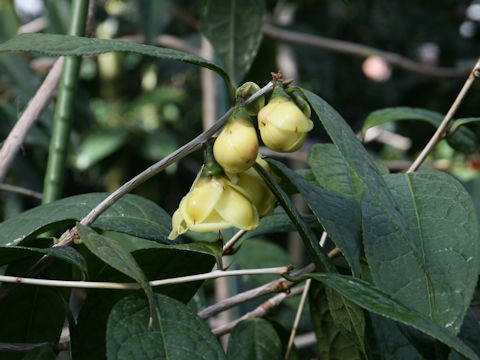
[{"x": 228, "y": 192}]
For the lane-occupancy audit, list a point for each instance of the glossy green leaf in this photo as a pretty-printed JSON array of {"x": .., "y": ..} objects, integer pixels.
[
  {"x": 177, "y": 333},
  {"x": 444, "y": 228},
  {"x": 98, "y": 145},
  {"x": 393, "y": 344},
  {"x": 61, "y": 45},
  {"x": 131, "y": 214},
  {"x": 66, "y": 253},
  {"x": 309, "y": 239},
  {"x": 333, "y": 341},
  {"x": 254, "y": 339},
  {"x": 158, "y": 262},
  {"x": 111, "y": 252},
  {"x": 340, "y": 216},
  {"x": 390, "y": 235},
  {"x": 463, "y": 140},
  {"x": 234, "y": 28},
  {"x": 332, "y": 173},
  {"x": 371, "y": 298}
]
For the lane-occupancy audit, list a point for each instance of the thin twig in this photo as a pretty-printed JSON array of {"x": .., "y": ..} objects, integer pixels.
[
  {"x": 268, "y": 288},
  {"x": 21, "y": 190},
  {"x": 441, "y": 131},
  {"x": 23, "y": 347},
  {"x": 35, "y": 107},
  {"x": 233, "y": 240},
  {"x": 297, "y": 317},
  {"x": 280, "y": 285},
  {"x": 359, "y": 50},
  {"x": 260, "y": 311},
  {"x": 135, "y": 286}
]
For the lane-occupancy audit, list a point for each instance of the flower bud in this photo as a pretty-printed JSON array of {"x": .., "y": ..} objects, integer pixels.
[
  {"x": 236, "y": 147},
  {"x": 247, "y": 90},
  {"x": 214, "y": 203},
  {"x": 283, "y": 126}
]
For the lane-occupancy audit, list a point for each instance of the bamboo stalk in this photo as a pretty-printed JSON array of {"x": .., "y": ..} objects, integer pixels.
[{"x": 62, "y": 122}]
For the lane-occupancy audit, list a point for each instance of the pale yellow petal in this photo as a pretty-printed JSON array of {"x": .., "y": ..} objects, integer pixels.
[
  {"x": 200, "y": 202},
  {"x": 238, "y": 210},
  {"x": 278, "y": 139},
  {"x": 213, "y": 222},
  {"x": 288, "y": 116}
]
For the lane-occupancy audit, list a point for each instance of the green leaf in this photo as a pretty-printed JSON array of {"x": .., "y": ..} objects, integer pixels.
[
  {"x": 461, "y": 122},
  {"x": 348, "y": 317},
  {"x": 158, "y": 262},
  {"x": 309, "y": 239},
  {"x": 392, "y": 342},
  {"x": 177, "y": 332},
  {"x": 131, "y": 214},
  {"x": 62, "y": 45},
  {"x": 340, "y": 216},
  {"x": 98, "y": 145},
  {"x": 444, "y": 228},
  {"x": 463, "y": 140},
  {"x": 9, "y": 254},
  {"x": 234, "y": 29},
  {"x": 389, "y": 234},
  {"x": 371, "y": 298},
  {"x": 254, "y": 339},
  {"x": 333, "y": 342},
  {"x": 111, "y": 252},
  {"x": 154, "y": 16},
  {"x": 332, "y": 173}
]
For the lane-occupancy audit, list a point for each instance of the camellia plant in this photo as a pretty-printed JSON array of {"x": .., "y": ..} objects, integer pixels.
[{"x": 388, "y": 260}]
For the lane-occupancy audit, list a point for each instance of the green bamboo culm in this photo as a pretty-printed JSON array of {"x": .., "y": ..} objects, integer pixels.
[{"x": 62, "y": 121}]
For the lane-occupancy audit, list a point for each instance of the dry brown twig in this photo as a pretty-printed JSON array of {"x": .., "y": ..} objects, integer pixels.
[{"x": 260, "y": 311}]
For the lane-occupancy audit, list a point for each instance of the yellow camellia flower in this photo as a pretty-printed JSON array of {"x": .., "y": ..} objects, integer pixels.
[
  {"x": 253, "y": 184},
  {"x": 214, "y": 203},
  {"x": 283, "y": 126},
  {"x": 236, "y": 147}
]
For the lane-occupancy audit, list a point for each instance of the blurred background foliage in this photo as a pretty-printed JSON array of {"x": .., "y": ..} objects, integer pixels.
[{"x": 132, "y": 110}]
